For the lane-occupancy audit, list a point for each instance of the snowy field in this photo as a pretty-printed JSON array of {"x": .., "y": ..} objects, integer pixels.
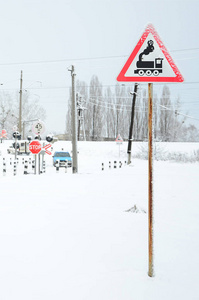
[{"x": 74, "y": 236}]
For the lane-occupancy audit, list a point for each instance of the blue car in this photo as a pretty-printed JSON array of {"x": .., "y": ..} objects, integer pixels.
[{"x": 62, "y": 157}]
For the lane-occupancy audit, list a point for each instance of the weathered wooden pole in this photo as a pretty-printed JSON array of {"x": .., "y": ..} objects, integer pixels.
[{"x": 150, "y": 178}]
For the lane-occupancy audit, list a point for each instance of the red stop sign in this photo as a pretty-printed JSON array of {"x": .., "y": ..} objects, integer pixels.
[{"x": 35, "y": 147}]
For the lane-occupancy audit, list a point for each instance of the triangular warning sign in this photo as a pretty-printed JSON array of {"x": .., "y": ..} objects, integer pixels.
[
  {"x": 119, "y": 139},
  {"x": 150, "y": 61}
]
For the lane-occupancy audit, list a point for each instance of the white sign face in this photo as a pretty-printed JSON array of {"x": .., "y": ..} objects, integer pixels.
[
  {"x": 38, "y": 127},
  {"x": 144, "y": 56}
]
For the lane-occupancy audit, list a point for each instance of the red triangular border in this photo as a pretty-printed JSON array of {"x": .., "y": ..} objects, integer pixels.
[
  {"x": 122, "y": 77},
  {"x": 118, "y": 139}
]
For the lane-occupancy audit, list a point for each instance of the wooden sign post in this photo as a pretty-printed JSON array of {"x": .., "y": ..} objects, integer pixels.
[{"x": 150, "y": 178}]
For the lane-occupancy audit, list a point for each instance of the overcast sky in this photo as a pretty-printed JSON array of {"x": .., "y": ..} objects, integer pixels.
[{"x": 44, "y": 37}]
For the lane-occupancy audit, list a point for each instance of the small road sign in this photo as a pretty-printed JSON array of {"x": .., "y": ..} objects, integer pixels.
[
  {"x": 35, "y": 147},
  {"x": 119, "y": 142},
  {"x": 119, "y": 139},
  {"x": 38, "y": 127},
  {"x": 150, "y": 61}
]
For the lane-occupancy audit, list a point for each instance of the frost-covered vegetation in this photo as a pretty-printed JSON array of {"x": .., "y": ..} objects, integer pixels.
[
  {"x": 85, "y": 236},
  {"x": 108, "y": 113},
  {"x": 161, "y": 153},
  {"x": 9, "y": 110}
]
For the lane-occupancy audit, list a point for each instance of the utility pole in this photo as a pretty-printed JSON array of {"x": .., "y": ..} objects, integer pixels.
[
  {"x": 131, "y": 125},
  {"x": 74, "y": 123},
  {"x": 20, "y": 103}
]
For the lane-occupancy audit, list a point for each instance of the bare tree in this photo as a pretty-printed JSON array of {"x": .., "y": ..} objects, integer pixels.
[
  {"x": 109, "y": 114},
  {"x": 155, "y": 116},
  {"x": 144, "y": 115},
  {"x": 95, "y": 94},
  {"x": 166, "y": 115},
  {"x": 68, "y": 116},
  {"x": 178, "y": 122},
  {"x": 6, "y": 111},
  {"x": 9, "y": 110}
]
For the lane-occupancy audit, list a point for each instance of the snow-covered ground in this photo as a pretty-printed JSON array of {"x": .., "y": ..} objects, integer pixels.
[{"x": 74, "y": 236}]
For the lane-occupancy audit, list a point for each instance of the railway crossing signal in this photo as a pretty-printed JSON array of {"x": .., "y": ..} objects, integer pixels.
[
  {"x": 150, "y": 61},
  {"x": 46, "y": 149},
  {"x": 3, "y": 134}
]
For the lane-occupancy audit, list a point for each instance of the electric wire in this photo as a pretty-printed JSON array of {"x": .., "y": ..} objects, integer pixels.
[
  {"x": 178, "y": 113},
  {"x": 165, "y": 108},
  {"x": 83, "y": 58}
]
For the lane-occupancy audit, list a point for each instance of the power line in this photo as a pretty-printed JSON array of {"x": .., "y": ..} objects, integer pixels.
[
  {"x": 188, "y": 49},
  {"x": 178, "y": 113},
  {"x": 138, "y": 110},
  {"x": 62, "y": 60},
  {"x": 87, "y": 86},
  {"x": 104, "y": 106},
  {"x": 83, "y": 58}
]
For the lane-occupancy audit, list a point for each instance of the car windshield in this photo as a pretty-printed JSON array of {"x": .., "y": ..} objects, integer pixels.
[{"x": 62, "y": 154}]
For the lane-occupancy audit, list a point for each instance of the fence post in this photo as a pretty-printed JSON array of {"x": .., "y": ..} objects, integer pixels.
[
  {"x": 57, "y": 166},
  {"x": 26, "y": 167},
  {"x": 15, "y": 168},
  {"x": 4, "y": 167},
  {"x": 33, "y": 165}
]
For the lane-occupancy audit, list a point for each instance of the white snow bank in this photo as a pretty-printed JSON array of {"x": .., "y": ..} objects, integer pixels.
[{"x": 69, "y": 236}]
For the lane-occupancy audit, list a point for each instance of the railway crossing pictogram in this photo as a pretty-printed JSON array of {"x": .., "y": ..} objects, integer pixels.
[{"x": 150, "y": 61}]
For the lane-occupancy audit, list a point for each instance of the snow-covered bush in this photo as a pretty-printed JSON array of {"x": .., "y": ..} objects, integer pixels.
[
  {"x": 184, "y": 157},
  {"x": 161, "y": 153}
]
